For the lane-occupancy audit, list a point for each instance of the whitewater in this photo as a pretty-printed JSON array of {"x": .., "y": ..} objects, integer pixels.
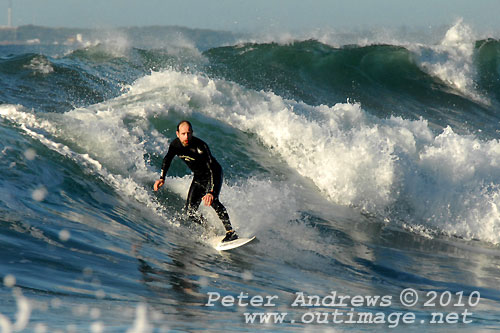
[{"x": 368, "y": 169}]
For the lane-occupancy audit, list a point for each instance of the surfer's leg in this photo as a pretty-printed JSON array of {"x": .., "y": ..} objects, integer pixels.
[
  {"x": 221, "y": 210},
  {"x": 195, "y": 195},
  {"x": 222, "y": 213}
]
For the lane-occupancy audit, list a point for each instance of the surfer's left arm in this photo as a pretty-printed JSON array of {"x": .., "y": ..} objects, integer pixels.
[{"x": 209, "y": 197}]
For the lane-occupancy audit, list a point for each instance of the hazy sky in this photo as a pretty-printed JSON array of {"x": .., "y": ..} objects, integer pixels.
[{"x": 239, "y": 15}]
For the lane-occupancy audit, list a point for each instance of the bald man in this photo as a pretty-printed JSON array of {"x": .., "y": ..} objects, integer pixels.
[{"x": 207, "y": 180}]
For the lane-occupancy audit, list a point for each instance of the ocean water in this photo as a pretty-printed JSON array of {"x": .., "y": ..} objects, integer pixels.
[{"x": 368, "y": 168}]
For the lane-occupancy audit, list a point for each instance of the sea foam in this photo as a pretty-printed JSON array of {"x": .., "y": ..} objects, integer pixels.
[{"x": 390, "y": 167}]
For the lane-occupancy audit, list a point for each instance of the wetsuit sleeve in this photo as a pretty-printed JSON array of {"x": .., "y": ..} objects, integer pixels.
[
  {"x": 211, "y": 169},
  {"x": 167, "y": 160}
]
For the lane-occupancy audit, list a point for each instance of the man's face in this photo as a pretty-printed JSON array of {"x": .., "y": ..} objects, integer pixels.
[{"x": 185, "y": 134}]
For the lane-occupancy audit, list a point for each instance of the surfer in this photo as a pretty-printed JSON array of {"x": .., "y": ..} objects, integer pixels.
[{"x": 207, "y": 180}]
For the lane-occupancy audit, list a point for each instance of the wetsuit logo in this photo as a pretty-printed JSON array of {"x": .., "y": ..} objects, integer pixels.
[{"x": 187, "y": 158}]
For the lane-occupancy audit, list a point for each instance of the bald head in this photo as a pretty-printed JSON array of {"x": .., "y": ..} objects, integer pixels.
[
  {"x": 184, "y": 132},
  {"x": 186, "y": 123}
]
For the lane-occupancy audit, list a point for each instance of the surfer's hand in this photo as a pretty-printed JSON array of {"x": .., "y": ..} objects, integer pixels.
[
  {"x": 159, "y": 183},
  {"x": 208, "y": 199}
]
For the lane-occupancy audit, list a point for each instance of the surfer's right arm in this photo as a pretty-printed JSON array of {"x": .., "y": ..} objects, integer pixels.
[
  {"x": 159, "y": 183},
  {"x": 167, "y": 160}
]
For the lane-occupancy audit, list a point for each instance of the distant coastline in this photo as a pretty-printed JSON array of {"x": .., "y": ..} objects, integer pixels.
[
  {"x": 31, "y": 34},
  {"x": 140, "y": 36}
]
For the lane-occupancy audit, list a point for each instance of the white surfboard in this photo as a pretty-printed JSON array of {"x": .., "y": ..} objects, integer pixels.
[{"x": 232, "y": 244}]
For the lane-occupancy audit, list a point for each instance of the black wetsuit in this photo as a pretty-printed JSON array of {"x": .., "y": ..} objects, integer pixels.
[{"x": 207, "y": 176}]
